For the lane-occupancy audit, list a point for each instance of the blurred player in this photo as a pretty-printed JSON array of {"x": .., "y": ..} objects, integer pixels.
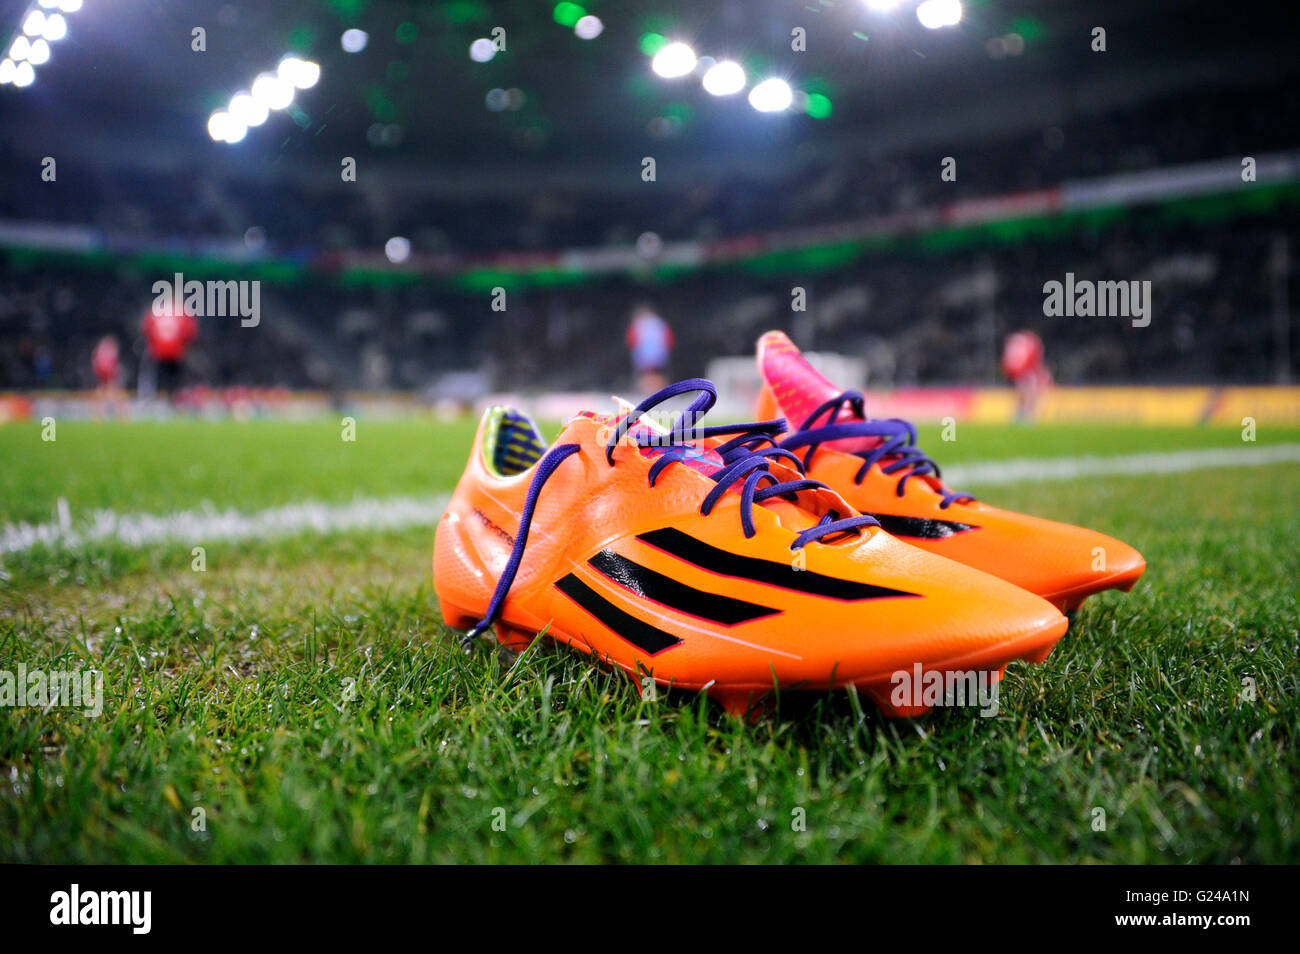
[
  {"x": 169, "y": 336},
  {"x": 106, "y": 363},
  {"x": 650, "y": 341},
  {"x": 1022, "y": 363}
]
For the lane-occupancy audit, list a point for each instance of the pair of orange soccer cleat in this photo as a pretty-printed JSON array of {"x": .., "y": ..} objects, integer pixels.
[{"x": 741, "y": 559}]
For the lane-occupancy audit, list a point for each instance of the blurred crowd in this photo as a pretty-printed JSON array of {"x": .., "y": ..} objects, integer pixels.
[{"x": 925, "y": 317}]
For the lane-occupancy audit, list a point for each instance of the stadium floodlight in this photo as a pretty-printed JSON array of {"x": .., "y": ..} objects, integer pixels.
[
  {"x": 236, "y": 129},
  {"x": 482, "y": 50},
  {"x": 935, "y": 14},
  {"x": 398, "y": 249},
  {"x": 771, "y": 96},
  {"x": 223, "y": 127},
  {"x": 673, "y": 61},
  {"x": 354, "y": 40},
  {"x": 303, "y": 74},
  {"x": 218, "y": 123},
  {"x": 7, "y": 69},
  {"x": 724, "y": 78},
  {"x": 588, "y": 28},
  {"x": 56, "y": 28},
  {"x": 248, "y": 109},
  {"x": 272, "y": 91},
  {"x": 31, "y": 43}
]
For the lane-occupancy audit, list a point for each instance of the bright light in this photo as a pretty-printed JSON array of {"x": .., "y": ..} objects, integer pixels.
[
  {"x": 235, "y": 129},
  {"x": 249, "y": 111},
  {"x": 771, "y": 96},
  {"x": 354, "y": 40},
  {"x": 49, "y": 4},
  {"x": 218, "y": 123},
  {"x": 56, "y": 28},
  {"x": 725, "y": 78},
  {"x": 588, "y": 28},
  {"x": 20, "y": 48},
  {"x": 301, "y": 73},
  {"x": 398, "y": 249},
  {"x": 7, "y": 69},
  {"x": 883, "y": 6},
  {"x": 40, "y": 53},
  {"x": 934, "y": 14},
  {"x": 272, "y": 92},
  {"x": 674, "y": 60},
  {"x": 308, "y": 74},
  {"x": 24, "y": 75},
  {"x": 70, "y": 6},
  {"x": 223, "y": 127},
  {"x": 288, "y": 69},
  {"x": 482, "y": 50},
  {"x": 34, "y": 24}
]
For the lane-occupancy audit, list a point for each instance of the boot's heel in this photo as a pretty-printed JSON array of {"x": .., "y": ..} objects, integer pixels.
[
  {"x": 514, "y": 639},
  {"x": 457, "y": 617}
]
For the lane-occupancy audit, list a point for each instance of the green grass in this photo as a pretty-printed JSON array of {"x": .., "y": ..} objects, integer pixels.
[{"x": 303, "y": 693}]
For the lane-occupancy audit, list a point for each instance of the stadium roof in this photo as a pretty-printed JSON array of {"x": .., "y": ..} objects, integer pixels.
[{"x": 125, "y": 87}]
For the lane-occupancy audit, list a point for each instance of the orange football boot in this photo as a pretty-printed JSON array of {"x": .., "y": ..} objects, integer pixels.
[
  {"x": 877, "y": 467},
  {"x": 707, "y": 565}
]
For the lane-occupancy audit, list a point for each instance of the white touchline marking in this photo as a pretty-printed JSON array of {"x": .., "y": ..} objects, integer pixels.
[
  {"x": 1069, "y": 468},
  {"x": 199, "y": 527}
]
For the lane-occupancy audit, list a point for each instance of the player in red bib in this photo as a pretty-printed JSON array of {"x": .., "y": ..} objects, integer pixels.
[
  {"x": 1022, "y": 363},
  {"x": 106, "y": 363},
  {"x": 169, "y": 336}
]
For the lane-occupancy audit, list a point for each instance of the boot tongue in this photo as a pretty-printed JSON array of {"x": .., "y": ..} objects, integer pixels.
[{"x": 800, "y": 389}]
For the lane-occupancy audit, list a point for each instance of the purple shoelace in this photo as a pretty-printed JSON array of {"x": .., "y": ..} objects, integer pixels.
[
  {"x": 743, "y": 459},
  {"x": 896, "y": 452}
]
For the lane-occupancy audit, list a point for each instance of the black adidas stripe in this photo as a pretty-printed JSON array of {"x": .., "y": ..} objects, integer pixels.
[
  {"x": 922, "y": 528},
  {"x": 676, "y": 595},
  {"x": 641, "y": 635},
  {"x": 784, "y": 575}
]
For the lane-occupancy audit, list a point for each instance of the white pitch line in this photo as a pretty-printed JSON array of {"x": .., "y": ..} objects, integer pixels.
[
  {"x": 1020, "y": 469},
  {"x": 203, "y": 526},
  {"x": 199, "y": 527}
]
